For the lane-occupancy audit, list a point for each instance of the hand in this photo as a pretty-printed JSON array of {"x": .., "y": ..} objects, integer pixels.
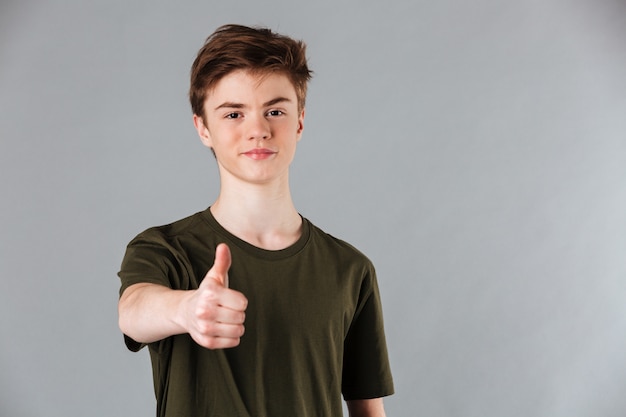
[{"x": 214, "y": 313}]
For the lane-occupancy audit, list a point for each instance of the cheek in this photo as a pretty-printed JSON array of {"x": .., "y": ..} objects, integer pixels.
[{"x": 224, "y": 135}]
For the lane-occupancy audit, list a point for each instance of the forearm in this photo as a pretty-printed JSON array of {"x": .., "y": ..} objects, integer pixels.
[
  {"x": 366, "y": 408},
  {"x": 151, "y": 312}
]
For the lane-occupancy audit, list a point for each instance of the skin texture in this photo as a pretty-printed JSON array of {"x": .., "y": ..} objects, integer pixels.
[{"x": 253, "y": 124}]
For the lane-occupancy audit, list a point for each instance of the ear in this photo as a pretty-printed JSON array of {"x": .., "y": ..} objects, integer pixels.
[
  {"x": 203, "y": 131},
  {"x": 300, "y": 125}
]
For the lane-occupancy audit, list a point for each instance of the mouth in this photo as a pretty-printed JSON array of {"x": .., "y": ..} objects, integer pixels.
[{"x": 260, "y": 153}]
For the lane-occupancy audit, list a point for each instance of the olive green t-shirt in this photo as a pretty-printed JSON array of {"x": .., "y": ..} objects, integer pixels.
[{"x": 314, "y": 325}]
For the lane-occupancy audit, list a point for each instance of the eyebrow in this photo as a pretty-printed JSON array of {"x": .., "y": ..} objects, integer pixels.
[{"x": 233, "y": 105}]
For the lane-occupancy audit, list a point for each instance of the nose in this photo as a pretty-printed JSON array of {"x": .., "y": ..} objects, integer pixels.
[{"x": 258, "y": 128}]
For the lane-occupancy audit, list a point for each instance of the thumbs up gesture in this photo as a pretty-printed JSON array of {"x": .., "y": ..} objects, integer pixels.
[{"x": 214, "y": 313}]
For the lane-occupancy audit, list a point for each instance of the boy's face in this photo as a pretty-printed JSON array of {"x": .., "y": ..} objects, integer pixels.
[{"x": 252, "y": 123}]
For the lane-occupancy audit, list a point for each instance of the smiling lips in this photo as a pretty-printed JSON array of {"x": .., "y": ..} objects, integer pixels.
[{"x": 259, "y": 153}]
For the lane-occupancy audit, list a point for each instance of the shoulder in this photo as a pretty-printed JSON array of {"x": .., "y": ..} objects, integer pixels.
[
  {"x": 165, "y": 254},
  {"x": 170, "y": 231},
  {"x": 343, "y": 249}
]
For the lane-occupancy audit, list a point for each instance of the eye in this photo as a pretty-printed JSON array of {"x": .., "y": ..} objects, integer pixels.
[
  {"x": 233, "y": 115},
  {"x": 275, "y": 113}
]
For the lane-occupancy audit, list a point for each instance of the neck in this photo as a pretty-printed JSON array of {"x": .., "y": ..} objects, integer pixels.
[{"x": 261, "y": 214}]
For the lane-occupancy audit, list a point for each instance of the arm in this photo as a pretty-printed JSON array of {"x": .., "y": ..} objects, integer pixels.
[
  {"x": 366, "y": 408},
  {"x": 213, "y": 315}
]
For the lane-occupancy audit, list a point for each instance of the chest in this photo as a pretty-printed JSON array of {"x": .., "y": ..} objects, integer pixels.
[{"x": 309, "y": 301}]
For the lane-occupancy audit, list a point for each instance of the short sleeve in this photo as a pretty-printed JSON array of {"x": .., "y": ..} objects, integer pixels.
[
  {"x": 366, "y": 369},
  {"x": 149, "y": 258},
  {"x": 146, "y": 260}
]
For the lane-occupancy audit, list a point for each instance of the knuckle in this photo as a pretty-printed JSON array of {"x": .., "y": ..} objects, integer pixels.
[
  {"x": 206, "y": 328},
  {"x": 205, "y": 311},
  {"x": 211, "y": 343},
  {"x": 210, "y": 293}
]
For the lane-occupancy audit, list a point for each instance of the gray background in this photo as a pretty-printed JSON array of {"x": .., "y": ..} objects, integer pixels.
[{"x": 476, "y": 151}]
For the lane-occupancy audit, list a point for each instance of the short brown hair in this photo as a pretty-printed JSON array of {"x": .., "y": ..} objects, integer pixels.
[{"x": 236, "y": 47}]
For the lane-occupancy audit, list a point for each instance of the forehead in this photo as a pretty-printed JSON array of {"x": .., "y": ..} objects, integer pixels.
[{"x": 243, "y": 86}]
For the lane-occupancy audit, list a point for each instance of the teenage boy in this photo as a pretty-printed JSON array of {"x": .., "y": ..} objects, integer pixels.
[{"x": 309, "y": 302}]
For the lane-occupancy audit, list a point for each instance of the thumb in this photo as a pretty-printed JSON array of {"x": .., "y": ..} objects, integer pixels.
[{"x": 219, "y": 271}]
